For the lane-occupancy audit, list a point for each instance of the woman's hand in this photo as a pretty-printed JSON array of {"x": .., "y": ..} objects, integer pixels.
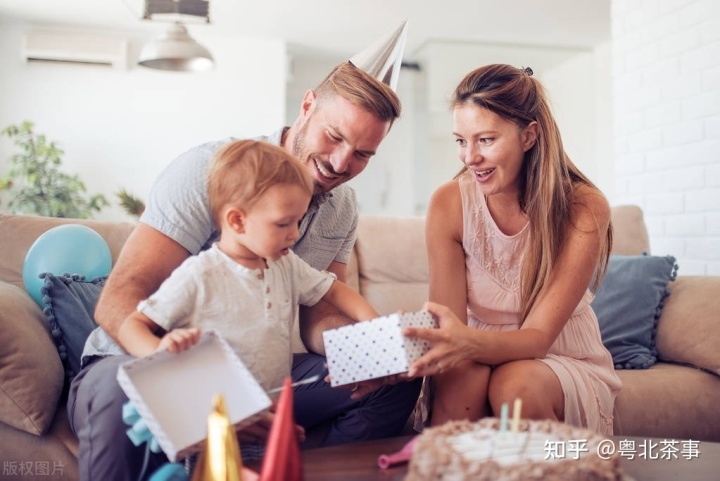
[
  {"x": 179, "y": 340},
  {"x": 451, "y": 343}
]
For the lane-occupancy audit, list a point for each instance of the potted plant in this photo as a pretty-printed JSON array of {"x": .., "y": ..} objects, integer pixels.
[
  {"x": 130, "y": 203},
  {"x": 35, "y": 183}
]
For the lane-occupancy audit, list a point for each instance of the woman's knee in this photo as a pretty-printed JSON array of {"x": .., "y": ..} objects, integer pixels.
[
  {"x": 469, "y": 376},
  {"x": 536, "y": 385},
  {"x": 462, "y": 391}
]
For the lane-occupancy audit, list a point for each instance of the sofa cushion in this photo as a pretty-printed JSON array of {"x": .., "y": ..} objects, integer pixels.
[
  {"x": 69, "y": 304},
  {"x": 628, "y": 304},
  {"x": 31, "y": 375},
  {"x": 392, "y": 262},
  {"x": 689, "y": 329},
  {"x": 668, "y": 401}
]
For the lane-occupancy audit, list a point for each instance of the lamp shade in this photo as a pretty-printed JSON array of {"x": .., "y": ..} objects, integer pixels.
[{"x": 176, "y": 50}]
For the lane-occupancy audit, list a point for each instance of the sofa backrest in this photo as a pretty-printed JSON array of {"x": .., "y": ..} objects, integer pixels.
[
  {"x": 392, "y": 262},
  {"x": 389, "y": 265},
  {"x": 630, "y": 235},
  {"x": 19, "y": 232}
]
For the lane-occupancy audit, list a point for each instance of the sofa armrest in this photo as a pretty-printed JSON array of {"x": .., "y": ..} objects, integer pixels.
[
  {"x": 31, "y": 373},
  {"x": 688, "y": 330}
]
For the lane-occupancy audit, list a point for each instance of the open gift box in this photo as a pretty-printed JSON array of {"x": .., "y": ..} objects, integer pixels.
[
  {"x": 173, "y": 392},
  {"x": 376, "y": 348}
]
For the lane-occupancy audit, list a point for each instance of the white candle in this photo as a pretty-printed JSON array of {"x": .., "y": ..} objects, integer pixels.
[{"x": 517, "y": 406}]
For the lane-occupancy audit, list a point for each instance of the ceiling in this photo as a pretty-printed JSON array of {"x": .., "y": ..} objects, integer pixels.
[{"x": 342, "y": 27}]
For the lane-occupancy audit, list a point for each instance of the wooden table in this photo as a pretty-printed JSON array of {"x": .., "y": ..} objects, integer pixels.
[{"x": 358, "y": 462}]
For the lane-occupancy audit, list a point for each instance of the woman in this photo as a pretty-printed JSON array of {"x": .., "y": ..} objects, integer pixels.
[{"x": 514, "y": 242}]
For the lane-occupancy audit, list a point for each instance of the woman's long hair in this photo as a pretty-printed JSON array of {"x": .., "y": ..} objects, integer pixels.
[{"x": 548, "y": 178}]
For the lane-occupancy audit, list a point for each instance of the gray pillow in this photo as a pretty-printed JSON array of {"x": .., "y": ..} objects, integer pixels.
[
  {"x": 69, "y": 303},
  {"x": 628, "y": 304}
]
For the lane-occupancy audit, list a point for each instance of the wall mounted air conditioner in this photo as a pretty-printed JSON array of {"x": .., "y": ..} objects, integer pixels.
[{"x": 75, "y": 49}]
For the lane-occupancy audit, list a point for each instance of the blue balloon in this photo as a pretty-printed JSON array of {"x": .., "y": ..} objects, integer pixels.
[{"x": 66, "y": 249}]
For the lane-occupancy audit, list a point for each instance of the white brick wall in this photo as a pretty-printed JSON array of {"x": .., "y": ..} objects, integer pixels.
[{"x": 666, "y": 102}]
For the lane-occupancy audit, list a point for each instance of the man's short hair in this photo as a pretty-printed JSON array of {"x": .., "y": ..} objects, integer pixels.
[{"x": 361, "y": 89}]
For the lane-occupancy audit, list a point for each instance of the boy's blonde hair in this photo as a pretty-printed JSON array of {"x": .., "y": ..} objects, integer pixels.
[{"x": 243, "y": 170}]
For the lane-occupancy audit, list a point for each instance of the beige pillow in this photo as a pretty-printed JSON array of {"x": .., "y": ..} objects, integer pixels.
[
  {"x": 689, "y": 328},
  {"x": 31, "y": 374}
]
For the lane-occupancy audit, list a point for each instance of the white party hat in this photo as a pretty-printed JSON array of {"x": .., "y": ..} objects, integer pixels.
[{"x": 382, "y": 59}]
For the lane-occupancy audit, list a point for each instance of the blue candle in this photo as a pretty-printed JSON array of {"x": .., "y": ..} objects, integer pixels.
[{"x": 504, "y": 417}]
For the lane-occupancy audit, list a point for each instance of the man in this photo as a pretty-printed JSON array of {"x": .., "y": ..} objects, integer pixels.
[{"x": 340, "y": 126}]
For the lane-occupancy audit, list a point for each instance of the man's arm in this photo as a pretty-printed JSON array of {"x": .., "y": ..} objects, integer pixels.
[
  {"x": 146, "y": 260},
  {"x": 322, "y": 316}
]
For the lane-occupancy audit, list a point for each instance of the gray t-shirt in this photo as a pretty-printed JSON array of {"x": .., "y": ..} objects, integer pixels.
[{"x": 178, "y": 207}]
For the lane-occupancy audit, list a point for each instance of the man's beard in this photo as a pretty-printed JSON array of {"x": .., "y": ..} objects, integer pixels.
[
  {"x": 299, "y": 150},
  {"x": 298, "y": 146}
]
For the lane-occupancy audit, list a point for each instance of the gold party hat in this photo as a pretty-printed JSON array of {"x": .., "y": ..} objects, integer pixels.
[
  {"x": 220, "y": 459},
  {"x": 382, "y": 60}
]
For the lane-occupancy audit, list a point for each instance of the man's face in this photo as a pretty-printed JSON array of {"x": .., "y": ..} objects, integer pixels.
[{"x": 336, "y": 139}]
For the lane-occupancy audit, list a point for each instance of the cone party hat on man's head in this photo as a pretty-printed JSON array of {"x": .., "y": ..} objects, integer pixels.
[{"x": 382, "y": 59}]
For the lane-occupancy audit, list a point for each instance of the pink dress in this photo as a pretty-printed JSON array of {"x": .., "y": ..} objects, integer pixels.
[{"x": 578, "y": 358}]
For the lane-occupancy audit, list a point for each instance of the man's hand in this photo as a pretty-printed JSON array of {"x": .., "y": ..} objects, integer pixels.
[
  {"x": 363, "y": 388},
  {"x": 259, "y": 432}
]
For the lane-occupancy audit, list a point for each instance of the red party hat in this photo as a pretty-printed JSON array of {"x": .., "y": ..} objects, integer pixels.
[{"x": 282, "y": 461}]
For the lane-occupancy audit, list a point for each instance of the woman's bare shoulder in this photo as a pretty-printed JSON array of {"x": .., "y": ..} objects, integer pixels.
[
  {"x": 445, "y": 209},
  {"x": 446, "y": 193},
  {"x": 590, "y": 208}
]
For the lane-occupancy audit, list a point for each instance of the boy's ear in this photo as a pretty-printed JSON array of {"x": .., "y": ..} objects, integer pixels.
[{"x": 235, "y": 219}]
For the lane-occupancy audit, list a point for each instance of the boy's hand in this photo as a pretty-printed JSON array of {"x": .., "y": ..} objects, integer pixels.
[{"x": 179, "y": 340}]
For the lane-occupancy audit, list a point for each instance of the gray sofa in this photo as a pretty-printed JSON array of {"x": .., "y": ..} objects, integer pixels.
[{"x": 675, "y": 398}]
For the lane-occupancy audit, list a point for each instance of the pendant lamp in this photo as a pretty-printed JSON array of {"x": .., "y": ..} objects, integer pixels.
[{"x": 176, "y": 50}]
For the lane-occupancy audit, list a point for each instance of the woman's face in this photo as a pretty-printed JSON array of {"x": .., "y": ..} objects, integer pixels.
[{"x": 491, "y": 147}]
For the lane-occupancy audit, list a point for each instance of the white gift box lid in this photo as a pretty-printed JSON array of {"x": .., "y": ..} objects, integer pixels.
[
  {"x": 173, "y": 392},
  {"x": 375, "y": 348}
]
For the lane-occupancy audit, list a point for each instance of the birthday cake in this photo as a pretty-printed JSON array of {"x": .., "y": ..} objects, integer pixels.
[{"x": 539, "y": 450}]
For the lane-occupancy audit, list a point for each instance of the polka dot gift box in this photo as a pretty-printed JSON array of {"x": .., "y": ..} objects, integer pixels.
[{"x": 375, "y": 348}]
